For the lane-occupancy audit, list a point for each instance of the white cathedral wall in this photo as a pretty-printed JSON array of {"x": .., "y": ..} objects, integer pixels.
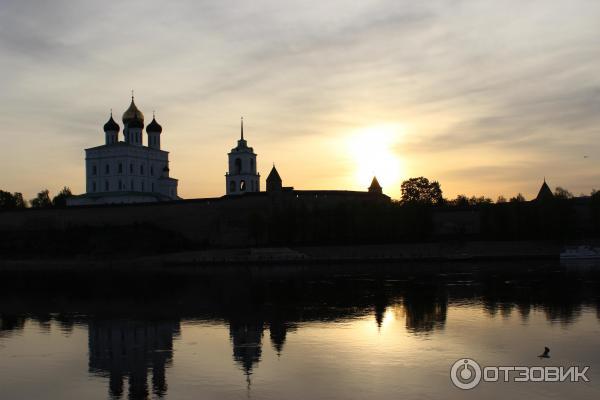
[
  {"x": 129, "y": 169},
  {"x": 167, "y": 187},
  {"x": 112, "y": 198}
]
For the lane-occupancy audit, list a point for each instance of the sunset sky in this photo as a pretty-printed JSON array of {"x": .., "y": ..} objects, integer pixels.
[{"x": 487, "y": 97}]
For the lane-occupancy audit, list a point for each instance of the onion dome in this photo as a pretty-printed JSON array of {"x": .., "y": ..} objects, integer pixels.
[
  {"x": 136, "y": 122},
  {"x": 111, "y": 125},
  {"x": 154, "y": 127},
  {"x": 132, "y": 113}
]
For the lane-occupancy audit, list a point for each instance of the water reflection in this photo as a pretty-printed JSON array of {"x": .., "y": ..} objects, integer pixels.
[
  {"x": 131, "y": 333},
  {"x": 246, "y": 338},
  {"x": 129, "y": 349}
]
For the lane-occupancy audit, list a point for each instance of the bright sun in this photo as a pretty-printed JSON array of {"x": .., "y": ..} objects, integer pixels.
[{"x": 372, "y": 151}]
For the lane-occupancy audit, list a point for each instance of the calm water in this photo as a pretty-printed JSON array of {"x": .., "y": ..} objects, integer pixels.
[{"x": 375, "y": 333}]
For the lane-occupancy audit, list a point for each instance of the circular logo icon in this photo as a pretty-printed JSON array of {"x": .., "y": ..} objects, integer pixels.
[{"x": 465, "y": 373}]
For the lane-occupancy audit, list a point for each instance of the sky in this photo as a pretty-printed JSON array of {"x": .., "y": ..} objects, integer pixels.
[{"x": 486, "y": 97}]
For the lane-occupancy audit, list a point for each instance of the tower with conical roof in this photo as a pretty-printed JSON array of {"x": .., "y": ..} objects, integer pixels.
[
  {"x": 274, "y": 183},
  {"x": 375, "y": 186},
  {"x": 544, "y": 193},
  {"x": 242, "y": 176}
]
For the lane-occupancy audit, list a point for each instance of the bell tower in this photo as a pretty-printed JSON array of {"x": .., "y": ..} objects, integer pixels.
[{"x": 242, "y": 176}]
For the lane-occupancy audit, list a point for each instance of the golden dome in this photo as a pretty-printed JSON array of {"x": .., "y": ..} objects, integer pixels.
[{"x": 131, "y": 113}]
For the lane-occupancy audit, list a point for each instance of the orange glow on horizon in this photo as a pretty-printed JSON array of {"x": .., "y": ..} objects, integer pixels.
[{"x": 373, "y": 153}]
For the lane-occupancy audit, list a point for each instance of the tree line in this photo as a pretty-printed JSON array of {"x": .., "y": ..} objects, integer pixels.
[
  {"x": 14, "y": 201},
  {"x": 423, "y": 191},
  {"x": 413, "y": 191}
]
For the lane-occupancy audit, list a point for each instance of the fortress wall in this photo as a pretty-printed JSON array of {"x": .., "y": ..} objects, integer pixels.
[
  {"x": 211, "y": 220},
  {"x": 230, "y": 221},
  {"x": 452, "y": 222},
  {"x": 188, "y": 218}
]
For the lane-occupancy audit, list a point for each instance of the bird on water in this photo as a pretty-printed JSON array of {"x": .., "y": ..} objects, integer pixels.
[{"x": 545, "y": 354}]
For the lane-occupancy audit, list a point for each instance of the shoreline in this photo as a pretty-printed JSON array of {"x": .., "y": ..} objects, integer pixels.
[{"x": 414, "y": 253}]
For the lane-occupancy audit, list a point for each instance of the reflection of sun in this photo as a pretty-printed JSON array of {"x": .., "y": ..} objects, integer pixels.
[{"x": 372, "y": 150}]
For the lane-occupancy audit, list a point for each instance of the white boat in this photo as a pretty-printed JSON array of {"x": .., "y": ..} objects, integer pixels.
[{"x": 580, "y": 253}]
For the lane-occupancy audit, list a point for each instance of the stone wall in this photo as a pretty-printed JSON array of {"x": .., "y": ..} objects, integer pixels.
[{"x": 215, "y": 221}]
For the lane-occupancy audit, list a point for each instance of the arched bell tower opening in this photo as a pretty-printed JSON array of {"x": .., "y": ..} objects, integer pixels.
[{"x": 242, "y": 176}]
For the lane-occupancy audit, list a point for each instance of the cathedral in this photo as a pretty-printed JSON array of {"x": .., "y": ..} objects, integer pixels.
[{"x": 127, "y": 171}]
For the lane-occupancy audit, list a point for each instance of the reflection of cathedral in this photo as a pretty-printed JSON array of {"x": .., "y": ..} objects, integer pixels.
[{"x": 129, "y": 349}]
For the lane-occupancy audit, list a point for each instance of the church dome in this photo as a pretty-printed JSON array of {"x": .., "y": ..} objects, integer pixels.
[
  {"x": 154, "y": 126},
  {"x": 111, "y": 125},
  {"x": 132, "y": 113},
  {"x": 136, "y": 122}
]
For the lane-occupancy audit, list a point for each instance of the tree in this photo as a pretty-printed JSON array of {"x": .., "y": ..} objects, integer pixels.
[
  {"x": 60, "y": 200},
  {"x": 475, "y": 201},
  {"x": 42, "y": 200},
  {"x": 464, "y": 201},
  {"x": 562, "y": 193},
  {"x": 460, "y": 201},
  {"x": 19, "y": 200},
  {"x": 519, "y": 198},
  {"x": 11, "y": 200},
  {"x": 501, "y": 199},
  {"x": 420, "y": 190},
  {"x": 7, "y": 200}
]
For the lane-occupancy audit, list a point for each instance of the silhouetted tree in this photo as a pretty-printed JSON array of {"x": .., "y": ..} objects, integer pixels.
[
  {"x": 60, "y": 200},
  {"x": 464, "y": 201},
  {"x": 562, "y": 193},
  {"x": 42, "y": 200},
  {"x": 519, "y": 198},
  {"x": 501, "y": 199},
  {"x": 19, "y": 200},
  {"x": 475, "y": 201},
  {"x": 420, "y": 190},
  {"x": 460, "y": 201},
  {"x": 11, "y": 200},
  {"x": 7, "y": 200}
]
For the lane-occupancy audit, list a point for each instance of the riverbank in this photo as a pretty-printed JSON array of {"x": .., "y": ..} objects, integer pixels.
[{"x": 312, "y": 255}]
